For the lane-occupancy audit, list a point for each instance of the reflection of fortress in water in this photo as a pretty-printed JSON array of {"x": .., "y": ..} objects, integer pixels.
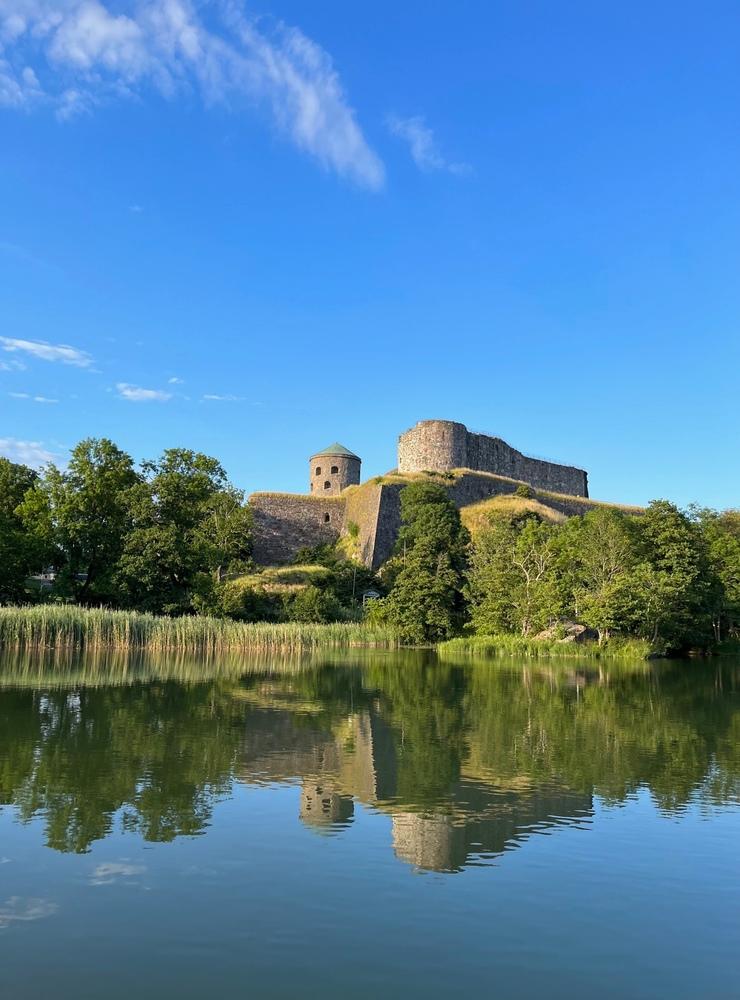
[{"x": 359, "y": 761}]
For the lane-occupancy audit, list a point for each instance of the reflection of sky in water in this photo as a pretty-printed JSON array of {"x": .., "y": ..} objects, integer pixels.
[
  {"x": 554, "y": 826},
  {"x": 18, "y": 909},
  {"x": 115, "y": 871}
]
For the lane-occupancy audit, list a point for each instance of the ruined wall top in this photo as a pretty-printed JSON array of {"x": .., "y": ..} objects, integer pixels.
[{"x": 441, "y": 445}]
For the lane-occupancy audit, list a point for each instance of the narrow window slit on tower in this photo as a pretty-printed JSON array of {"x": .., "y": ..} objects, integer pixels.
[
  {"x": 327, "y": 485},
  {"x": 327, "y": 518}
]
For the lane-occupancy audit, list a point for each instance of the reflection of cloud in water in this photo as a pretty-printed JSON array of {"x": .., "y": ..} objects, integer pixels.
[
  {"x": 115, "y": 871},
  {"x": 19, "y": 909}
]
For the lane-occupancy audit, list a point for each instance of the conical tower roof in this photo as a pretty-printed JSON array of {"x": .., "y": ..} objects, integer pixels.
[{"x": 335, "y": 449}]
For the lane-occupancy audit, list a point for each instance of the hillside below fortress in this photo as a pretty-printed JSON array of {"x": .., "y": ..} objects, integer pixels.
[{"x": 366, "y": 517}]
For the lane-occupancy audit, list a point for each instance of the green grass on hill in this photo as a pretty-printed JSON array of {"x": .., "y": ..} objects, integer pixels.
[
  {"x": 475, "y": 516},
  {"x": 282, "y": 579}
]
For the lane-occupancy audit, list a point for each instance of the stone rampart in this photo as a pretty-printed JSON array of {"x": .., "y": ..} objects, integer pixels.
[
  {"x": 286, "y": 522},
  {"x": 442, "y": 445}
]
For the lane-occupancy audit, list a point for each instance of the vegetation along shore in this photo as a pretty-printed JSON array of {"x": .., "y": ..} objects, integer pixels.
[{"x": 102, "y": 553}]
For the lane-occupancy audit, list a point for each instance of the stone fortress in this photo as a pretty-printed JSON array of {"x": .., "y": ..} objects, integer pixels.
[{"x": 471, "y": 467}]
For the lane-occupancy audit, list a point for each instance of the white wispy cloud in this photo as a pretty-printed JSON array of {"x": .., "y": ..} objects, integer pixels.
[
  {"x": 422, "y": 145},
  {"x": 175, "y": 380},
  {"x": 47, "y": 352},
  {"x": 75, "y": 54},
  {"x": 12, "y": 366},
  {"x": 217, "y": 398},
  {"x": 36, "y": 399},
  {"x": 33, "y": 453},
  {"x": 136, "y": 394}
]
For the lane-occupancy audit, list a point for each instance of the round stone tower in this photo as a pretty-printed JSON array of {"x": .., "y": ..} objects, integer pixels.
[
  {"x": 333, "y": 469},
  {"x": 433, "y": 446}
]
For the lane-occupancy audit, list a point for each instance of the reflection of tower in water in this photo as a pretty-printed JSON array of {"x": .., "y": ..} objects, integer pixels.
[
  {"x": 428, "y": 841},
  {"x": 323, "y": 807}
]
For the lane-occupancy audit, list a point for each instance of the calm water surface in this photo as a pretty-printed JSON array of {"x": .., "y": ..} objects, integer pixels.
[{"x": 368, "y": 824}]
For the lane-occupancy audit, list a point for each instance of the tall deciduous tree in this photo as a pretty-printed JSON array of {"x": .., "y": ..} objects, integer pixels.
[
  {"x": 680, "y": 572},
  {"x": 597, "y": 551},
  {"x": 512, "y": 582},
  {"x": 721, "y": 532},
  {"x": 225, "y": 530},
  {"x": 82, "y": 512},
  {"x": 21, "y": 550},
  {"x": 186, "y": 521},
  {"x": 426, "y": 602}
]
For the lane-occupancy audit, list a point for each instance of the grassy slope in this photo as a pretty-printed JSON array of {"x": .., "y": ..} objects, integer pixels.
[
  {"x": 475, "y": 516},
  {"x": 282, "y": 579}
]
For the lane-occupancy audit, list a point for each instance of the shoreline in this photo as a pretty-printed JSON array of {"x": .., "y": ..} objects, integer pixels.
[{"x": 48, "y": 627}]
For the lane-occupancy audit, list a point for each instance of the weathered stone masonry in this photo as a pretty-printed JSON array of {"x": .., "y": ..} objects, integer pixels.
[
  {"x": 440, "y": 445},
  {"x": 283, "y": 523}
]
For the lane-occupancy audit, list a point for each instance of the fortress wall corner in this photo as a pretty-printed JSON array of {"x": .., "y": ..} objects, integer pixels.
[{"x": 362, "y": 509}]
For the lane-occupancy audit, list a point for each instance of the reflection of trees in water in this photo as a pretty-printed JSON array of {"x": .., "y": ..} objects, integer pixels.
[
  {"x": 466, "y": 759},
  {"x": 159, "y": 753}
]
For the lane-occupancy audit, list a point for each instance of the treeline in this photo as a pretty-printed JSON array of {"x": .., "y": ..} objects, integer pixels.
[
  {"x": 171, "y": 537},
  {"x": 668, "y": 577},
  {"x": 158, "y": 538}
]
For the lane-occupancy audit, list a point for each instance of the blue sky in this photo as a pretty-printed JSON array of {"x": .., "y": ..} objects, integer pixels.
[{"x": 253, "y": 229}]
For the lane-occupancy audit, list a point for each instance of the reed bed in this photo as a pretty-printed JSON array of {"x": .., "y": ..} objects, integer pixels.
[
  {"x": 521, "y": 646},
  {"x": 48, "y": 626}
]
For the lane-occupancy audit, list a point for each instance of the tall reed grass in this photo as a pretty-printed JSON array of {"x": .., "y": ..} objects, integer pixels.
[
  {"x": 47, "y": 626},
  {"x": 521, "y": 646}
]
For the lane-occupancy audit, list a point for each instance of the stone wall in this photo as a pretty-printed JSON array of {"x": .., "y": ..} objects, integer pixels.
[
  {"x": 441, "y": 445},
  {"x": 285, "y": 523}
]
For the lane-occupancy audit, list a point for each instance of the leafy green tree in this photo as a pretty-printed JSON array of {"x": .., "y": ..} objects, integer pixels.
[
  {"x": 21, "y": 550},
  {"x": 82, "y": 513},
  {"x": 225, "y": 530},
  {"x": 722, "y": 534},
  {"x": 597, "y": 551},
  {"x": 678, "y": 575},
  {"x": 512, "y": 581},
  {"x": 492, "y": 577},
  {"x": 312, "y": 604},
  {"x": 426, "y": 603},
  {"x": 182, "y": 526}
]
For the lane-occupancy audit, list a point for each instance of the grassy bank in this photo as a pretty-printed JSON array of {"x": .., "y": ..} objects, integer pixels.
[
  {"x": 728, "y": 647},
  {"x": 53, "y": 626},
  {"x": 517, "y": 645}
]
